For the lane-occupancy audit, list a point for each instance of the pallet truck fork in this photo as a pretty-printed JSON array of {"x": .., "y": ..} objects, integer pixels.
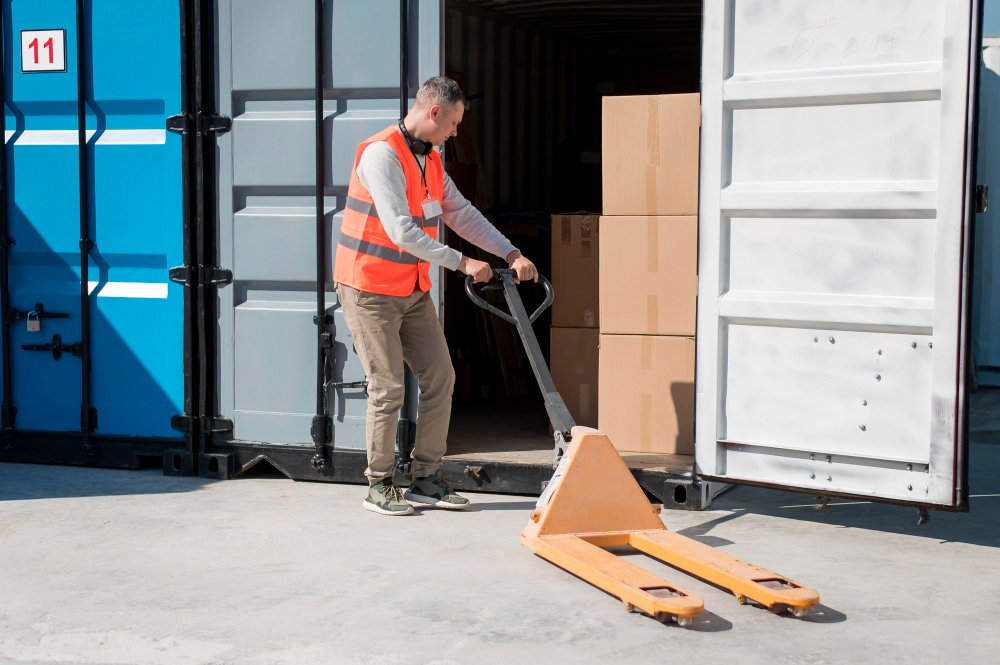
[{"x": 592, "y": 503}]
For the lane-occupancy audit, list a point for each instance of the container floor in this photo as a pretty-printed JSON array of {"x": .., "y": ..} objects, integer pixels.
[{"x": 517, "y": 432}]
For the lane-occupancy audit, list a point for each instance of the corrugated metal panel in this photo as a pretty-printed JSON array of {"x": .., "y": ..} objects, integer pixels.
[
  {"x": 521, "y": 83},
  {"x": 267, "y": 189},
  {"x": 842, "y": 175}
]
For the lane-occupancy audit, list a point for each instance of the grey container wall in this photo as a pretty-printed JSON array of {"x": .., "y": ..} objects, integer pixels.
[{"x": 266, "y": 176}]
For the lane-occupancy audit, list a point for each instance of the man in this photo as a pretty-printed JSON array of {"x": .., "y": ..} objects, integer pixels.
[{"x": 397, "y": 193}]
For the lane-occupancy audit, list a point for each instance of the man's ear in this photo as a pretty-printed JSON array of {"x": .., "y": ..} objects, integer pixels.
[{"x": 434, "y": 111}]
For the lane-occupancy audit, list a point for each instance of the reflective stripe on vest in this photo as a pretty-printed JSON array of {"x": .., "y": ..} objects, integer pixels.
[
  {"x": 366, "y": 258},
  {"x": 357, "y": 205}
]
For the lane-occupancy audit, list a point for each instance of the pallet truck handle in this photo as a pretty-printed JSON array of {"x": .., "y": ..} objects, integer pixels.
[
  {"x": 504, "y": 274},
  {"x": 555, "y": 406}
]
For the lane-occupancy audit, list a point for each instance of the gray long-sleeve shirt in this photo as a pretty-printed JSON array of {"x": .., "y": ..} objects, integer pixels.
[{"x": 382, "y": 175}]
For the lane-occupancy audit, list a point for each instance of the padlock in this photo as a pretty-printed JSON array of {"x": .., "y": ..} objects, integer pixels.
[{"x": 34, "y": 323}]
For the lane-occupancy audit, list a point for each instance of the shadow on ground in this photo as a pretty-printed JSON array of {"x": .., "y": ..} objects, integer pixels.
[
  {"x": 25, "y": 482},
  {"x": 979, "y": 526}
]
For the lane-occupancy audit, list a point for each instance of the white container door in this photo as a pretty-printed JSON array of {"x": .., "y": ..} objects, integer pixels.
[{"x": 835, "y": 185}]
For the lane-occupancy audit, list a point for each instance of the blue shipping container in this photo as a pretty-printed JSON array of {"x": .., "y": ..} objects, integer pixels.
[{"x": 132, "y": 205}]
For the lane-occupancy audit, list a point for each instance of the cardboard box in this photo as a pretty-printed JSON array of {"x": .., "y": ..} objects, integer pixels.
[
  {"x": 573, "y": 362},
  {"x": 646, "y": 393},
  {"x": 648, "y": 275},
  {"x": 575, "y": 270},
  {"x": 650, "y": 154}
]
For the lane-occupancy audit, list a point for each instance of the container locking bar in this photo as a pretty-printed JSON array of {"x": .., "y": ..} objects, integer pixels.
[
  {"x": 56, "y": 347},
  {"x": 88, "y": 417},
  {"x": 38, "y": 312},
  {"x": 406, "y": 426},
  {"x": 321, "y": 430}
]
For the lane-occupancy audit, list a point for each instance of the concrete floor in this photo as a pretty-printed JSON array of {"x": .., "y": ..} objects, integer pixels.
[{"x": 121, "y": 567}]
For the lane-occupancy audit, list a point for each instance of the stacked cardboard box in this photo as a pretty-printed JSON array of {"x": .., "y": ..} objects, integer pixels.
[
  {"x": 574, "y": 335},
  {"x": 648, "y": 272}
]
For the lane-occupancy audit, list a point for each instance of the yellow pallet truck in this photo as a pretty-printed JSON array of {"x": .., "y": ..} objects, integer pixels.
[{"x": 593, "y": 503}]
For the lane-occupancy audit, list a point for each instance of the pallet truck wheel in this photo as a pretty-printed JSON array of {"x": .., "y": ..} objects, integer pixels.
[
  {"x": 684, "y": 622},
  {"x": 629, "y": 607},
  {"x": 799, "y": 612}
]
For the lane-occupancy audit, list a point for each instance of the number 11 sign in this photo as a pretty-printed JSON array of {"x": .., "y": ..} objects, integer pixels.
[{"x": 43, "y": 50}]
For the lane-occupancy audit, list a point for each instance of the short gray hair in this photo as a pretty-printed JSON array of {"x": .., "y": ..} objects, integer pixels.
[{"x": 440, "y": 90}]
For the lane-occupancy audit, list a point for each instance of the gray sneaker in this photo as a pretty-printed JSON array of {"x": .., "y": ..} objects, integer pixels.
[
  {"x": 385, "y": 498},
  {"x": 434, "y": 491}
]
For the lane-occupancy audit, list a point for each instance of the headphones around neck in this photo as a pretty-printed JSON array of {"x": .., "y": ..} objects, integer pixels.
[{"x": 417, "y": 147}]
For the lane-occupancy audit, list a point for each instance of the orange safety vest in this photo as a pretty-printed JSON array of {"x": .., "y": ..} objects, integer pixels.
[{"x": 367, "y": 259}]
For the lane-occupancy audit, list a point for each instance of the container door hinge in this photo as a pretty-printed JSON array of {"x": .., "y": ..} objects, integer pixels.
[
  {"x": 183, "y": 274},
  {"x": 216, "y": 425},
  {"x": 209, "y": 424},
  {"x": 982, "y": 198},
  {"x": 207, "y": 124},
  {"x": 181, "y": 422}
]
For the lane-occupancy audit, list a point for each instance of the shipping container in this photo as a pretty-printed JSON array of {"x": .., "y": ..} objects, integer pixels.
[
  {"x": 93, "y": 217},
  {"x": 196, "y": 154}
]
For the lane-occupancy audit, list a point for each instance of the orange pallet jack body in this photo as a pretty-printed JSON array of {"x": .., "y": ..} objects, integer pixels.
[{"x": 593, "y": 503}]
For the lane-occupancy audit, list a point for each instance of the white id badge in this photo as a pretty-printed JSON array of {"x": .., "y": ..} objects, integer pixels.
[{"x": 431, "y": 208}]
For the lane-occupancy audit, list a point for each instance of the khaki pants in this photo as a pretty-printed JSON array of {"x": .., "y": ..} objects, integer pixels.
[{"x": 388, "y": 331}]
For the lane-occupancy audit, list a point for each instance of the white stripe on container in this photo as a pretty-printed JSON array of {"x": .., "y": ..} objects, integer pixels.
[
  {"x": 130, "y": 289},
  {"x": 107, "y": 137}
]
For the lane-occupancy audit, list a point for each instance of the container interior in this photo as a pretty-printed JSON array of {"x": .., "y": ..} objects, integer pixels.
[{"x": 530, "y": 146}]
